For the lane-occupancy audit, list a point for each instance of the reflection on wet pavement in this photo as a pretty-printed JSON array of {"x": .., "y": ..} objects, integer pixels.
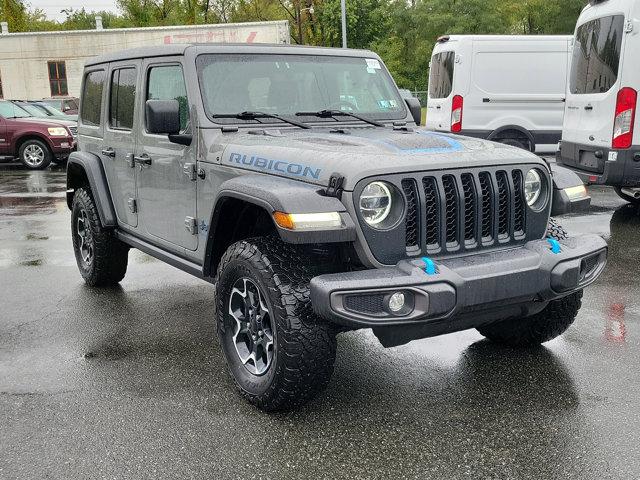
[{"x": 129, "y": 382}]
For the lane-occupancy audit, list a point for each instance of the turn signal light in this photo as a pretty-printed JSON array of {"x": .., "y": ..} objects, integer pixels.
[{"x": 308, "y": 221}]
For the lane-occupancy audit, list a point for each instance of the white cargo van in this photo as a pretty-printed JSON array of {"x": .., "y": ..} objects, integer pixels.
[
  {"x": 507, "y": 88},
  {"x": 600, "y": 140}
]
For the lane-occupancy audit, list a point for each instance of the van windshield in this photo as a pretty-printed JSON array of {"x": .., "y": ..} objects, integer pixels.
[
  {"x": 441, "y": 74},
  {"x": 596, "y": 55},
  {"x": 288, "y": 84}
]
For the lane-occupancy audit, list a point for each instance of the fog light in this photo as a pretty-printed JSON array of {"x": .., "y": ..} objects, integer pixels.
[{"x": 396, "y": 302}]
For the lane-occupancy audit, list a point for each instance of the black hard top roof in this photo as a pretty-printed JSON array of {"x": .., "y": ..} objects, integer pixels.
[{"x": 180, "y": 49}]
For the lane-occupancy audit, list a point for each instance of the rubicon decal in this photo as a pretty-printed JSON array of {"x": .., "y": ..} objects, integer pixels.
[{"x": 281, "y": 166}]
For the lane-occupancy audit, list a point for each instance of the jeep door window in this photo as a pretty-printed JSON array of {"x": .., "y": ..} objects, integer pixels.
[
  {"x": 91, "y": 112},
  {"x": 596, "y": 55},
  {"x": 122, "y": 98},
  {"x": 287, "y": 84},
  {"x": 166, "y": 82},
  {"x": 441, "y": 74}
]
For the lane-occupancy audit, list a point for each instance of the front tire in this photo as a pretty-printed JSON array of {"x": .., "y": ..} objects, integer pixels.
[
  {"x": 279, "y": 353},
  {"x": 546, "y": 325},
  {"x": 35, "y": 154},
  {"x": 102, "y": 259}
]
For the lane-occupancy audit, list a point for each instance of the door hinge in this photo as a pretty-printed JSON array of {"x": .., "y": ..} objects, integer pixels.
[
  {"x": 628, "y": 27},
  {"x": 190, "y": 171},
  {"x": 191, "y": 224},
  {"x": 133, "y": 205}
]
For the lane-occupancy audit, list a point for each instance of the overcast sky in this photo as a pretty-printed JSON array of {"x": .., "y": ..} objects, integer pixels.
[{"x": 52, "y": 8}]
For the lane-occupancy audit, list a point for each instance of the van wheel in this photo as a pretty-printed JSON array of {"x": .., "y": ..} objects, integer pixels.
[
  {"x": 514, "y": 142},
  {"x": 279, "y": 353},
  {"x": 102, "y": 259},
  {"x": 627, "y": 198},
  {"x": 35, "y": 154}
]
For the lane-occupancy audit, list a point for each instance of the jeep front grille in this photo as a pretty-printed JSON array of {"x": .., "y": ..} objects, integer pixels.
[{"x": 464, "y": 211}]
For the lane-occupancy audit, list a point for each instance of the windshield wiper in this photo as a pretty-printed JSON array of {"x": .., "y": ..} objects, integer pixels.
[
  {"x": 338, "y": 113},
  {"x": 256, "y": 115}
]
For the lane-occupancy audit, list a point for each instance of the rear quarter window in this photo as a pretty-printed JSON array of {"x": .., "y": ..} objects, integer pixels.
[
  {"x": 92, "y": 98},
  {"x": 441, "y": 74},
  {"x": 596, "y": 55}
]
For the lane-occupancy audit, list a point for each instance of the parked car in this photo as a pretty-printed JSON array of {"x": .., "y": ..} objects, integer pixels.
[
  {"x": 53, "y": 112},
  {"x": 67, "y": 105},
  {"x": 315, "y": 206},
  {"x": 35, "y": 111},
  {"x": 506, "y": 88},
  {"x": 600, "y": 139},
  {"x": 35, "y": 141}
]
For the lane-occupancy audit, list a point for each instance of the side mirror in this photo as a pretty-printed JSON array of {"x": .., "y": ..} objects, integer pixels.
[
  {"x": 163, "y": 117},
  {"x": 415, "y": 108}
]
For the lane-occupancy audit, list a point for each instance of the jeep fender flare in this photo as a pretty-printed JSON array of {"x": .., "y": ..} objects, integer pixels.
[
  {"x": 85, "y": 168},
  {"x": 497, "y": 132},
  {"x": 277, "y": 194}
]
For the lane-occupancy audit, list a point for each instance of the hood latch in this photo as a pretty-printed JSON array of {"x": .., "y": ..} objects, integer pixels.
[{"x": 335, "y": 188}]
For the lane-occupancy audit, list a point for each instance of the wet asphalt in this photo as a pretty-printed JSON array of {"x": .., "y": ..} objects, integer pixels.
[{"x": 129, "y": 382}]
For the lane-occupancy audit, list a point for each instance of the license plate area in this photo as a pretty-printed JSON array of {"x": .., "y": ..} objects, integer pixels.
[{"x": 588, "y": 161}]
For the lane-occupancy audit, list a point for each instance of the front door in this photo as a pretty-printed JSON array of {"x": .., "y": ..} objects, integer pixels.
[
  {"x": 120, "y": 140},
  {"x": 4, "y": 141},
  {"x": 167, "y": 178}
]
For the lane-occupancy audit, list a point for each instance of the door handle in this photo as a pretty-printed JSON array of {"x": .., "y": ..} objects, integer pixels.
[
  {"x": 143, "y": 159},
  {"x": 109, "y": 152}
]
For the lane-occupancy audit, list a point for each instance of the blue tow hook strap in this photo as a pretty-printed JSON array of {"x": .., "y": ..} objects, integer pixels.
[
  {"x": 429, "y": 266},
  {"x": 555, "y": 245}
]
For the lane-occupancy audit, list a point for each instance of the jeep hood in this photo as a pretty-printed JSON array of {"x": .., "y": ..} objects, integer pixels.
[{"x": 355, "y": 153}]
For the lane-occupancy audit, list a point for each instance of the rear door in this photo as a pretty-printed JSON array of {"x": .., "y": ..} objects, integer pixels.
[
  {"x": 167, "y": 177},
  {"x": 594, "y": 80},
  {"x": 120, "y": 140},
  {"x": 441, "y": 80}
]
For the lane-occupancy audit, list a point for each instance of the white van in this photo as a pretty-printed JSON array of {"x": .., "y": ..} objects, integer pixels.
[
  {"x": 600, "y": 140},
  {"x": 507, "y": 88}
]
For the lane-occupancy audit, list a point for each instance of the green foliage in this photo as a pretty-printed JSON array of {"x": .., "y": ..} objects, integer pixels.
[{"x": 403, "y": 32}]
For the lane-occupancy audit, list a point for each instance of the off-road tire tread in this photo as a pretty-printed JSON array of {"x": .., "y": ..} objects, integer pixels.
[
  {"x": 546, "y": 325},
  {"x": 110, "y": 256},
  {"x": 307, "y": 344}
]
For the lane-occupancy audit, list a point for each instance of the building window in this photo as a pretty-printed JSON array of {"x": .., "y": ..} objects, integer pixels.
[{"x": 58, "y": 78}]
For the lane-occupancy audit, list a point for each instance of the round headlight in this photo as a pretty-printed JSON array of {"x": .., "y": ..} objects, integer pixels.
[
  {"x": 375, "y": 203},
  {"x": 532, "y": 187}
]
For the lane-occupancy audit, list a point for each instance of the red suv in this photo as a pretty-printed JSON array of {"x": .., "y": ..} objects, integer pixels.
[{"x": 35, "y": 141}]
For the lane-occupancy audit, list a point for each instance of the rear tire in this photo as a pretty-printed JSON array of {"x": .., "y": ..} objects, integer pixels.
[
  {"x": 515, "y": 142},
  {"x": 264, "y": 310},
  {"x": 102, "y": 259},
  {"x": 35, "y": 154},
  {"x": 626, "y": 198}
]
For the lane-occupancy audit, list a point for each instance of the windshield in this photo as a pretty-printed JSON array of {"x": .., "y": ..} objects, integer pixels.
[
  {"x": 288, "y": 84},
  {"x": 11, "y": 110},
  {"x": 33, "y": 110},
  {"x": 51, "y": 110}
]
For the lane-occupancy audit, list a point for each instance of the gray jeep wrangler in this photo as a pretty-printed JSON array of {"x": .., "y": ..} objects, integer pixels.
[{"x": 296, "y": 181}]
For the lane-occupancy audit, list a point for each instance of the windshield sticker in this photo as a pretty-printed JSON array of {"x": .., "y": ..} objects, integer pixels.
[
  {"x": 280, "y": 166},
  {"x": 372, "y": 63}
]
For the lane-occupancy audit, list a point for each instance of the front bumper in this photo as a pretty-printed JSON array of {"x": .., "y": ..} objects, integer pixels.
[
  {"x": 491, "y": 283},
  {"x": 601, "y": 165}
]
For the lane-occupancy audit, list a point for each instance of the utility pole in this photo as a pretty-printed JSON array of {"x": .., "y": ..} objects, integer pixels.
[{"x": 343, "y": 8}]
